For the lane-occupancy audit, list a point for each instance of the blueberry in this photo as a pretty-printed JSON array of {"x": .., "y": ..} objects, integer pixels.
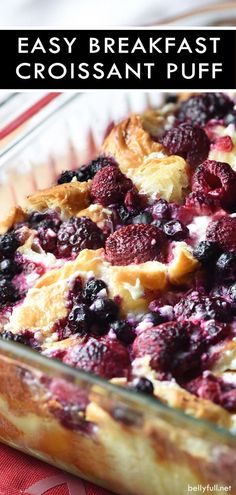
[
  {"x": 105, "y": 309},
  {"x": 80, "y": 319},
  {"x": 8, "y": 268},
  {"x": 143, "y": 385},
  {"x": 92, "y": 289},
  {"x": 123, "y": 331},
  {"x": 123, "y": 213},
  {"x": 206, "y": 251},
  {"x": 226, "y": 265},
  {"x": 144, "y": 217},
  {"x": 161, "y": 210},
  {"x": 175, "y": 230},
  {"x": 8, "y": 244}
]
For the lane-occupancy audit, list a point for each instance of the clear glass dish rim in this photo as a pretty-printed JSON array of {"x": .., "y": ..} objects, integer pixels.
[
  {"x": 197, "y": 11},
  {"x": 20, "y": 351},
  {"x": 32, "y": 358}
]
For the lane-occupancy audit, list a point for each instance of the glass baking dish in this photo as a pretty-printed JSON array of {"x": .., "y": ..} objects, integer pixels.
[
  {"x": 21, "y": 111},
  {"x": 128, "y": 443}
]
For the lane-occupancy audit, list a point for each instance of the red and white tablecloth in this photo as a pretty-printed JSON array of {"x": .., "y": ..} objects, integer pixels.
[{"x": 21, "y": 474}]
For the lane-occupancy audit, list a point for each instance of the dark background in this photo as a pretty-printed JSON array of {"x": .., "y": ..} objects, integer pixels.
[{"x": 10, "y": 59}]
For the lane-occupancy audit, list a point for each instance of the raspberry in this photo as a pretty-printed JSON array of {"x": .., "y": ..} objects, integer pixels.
[
  {"x": 110, "y": 186},
  {"x": 216, "y": 180},
  {"x": 205, "y": 387},
  {"x": 223, "y": 232},
  {"x": 8, "y": 244},
  {"x": 200, "y": 108},
  {"x": 105, "y": 357},
  {"x": 215, "y": 389},
  {"x": 76, "y": 234},
  {"x": 188, "y": 141},
  {"x": 135, "y": 244},
  {"x": 200, "y": 203},
  {"x": 196, "y": 307},
  {"x": 224, "y": 144}
]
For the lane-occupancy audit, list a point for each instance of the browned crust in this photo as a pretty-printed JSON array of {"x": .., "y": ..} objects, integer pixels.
[
  {"x": 15, "y": 215},
  {"x": 129, "y": 143},
  {"x": 69, "y": 198}
]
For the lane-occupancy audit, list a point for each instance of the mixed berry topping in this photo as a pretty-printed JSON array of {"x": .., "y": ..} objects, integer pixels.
[
  {"x": 183, "y": 328},
  {"x": 135, "y": 244},
  {"x": 188, "y": 141},
  {"x": 76, "y": 234}
]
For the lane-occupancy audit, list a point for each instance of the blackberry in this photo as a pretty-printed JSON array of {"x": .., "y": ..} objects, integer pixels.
[
  {"x": 105, "y": 309},
  {"x": 143, "y": 385},
  {"x": 67, "y": 176},
  {"x": 76, "y": 234},
  {"x": 92, "y": 289},
  {"x": 9, "y": 244},
  {"x": 123, "y": 331},
  {"x": 196, "y": 307},
  {"x": 206, "y": 251},
  {"x": 199, "y": 109}
]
